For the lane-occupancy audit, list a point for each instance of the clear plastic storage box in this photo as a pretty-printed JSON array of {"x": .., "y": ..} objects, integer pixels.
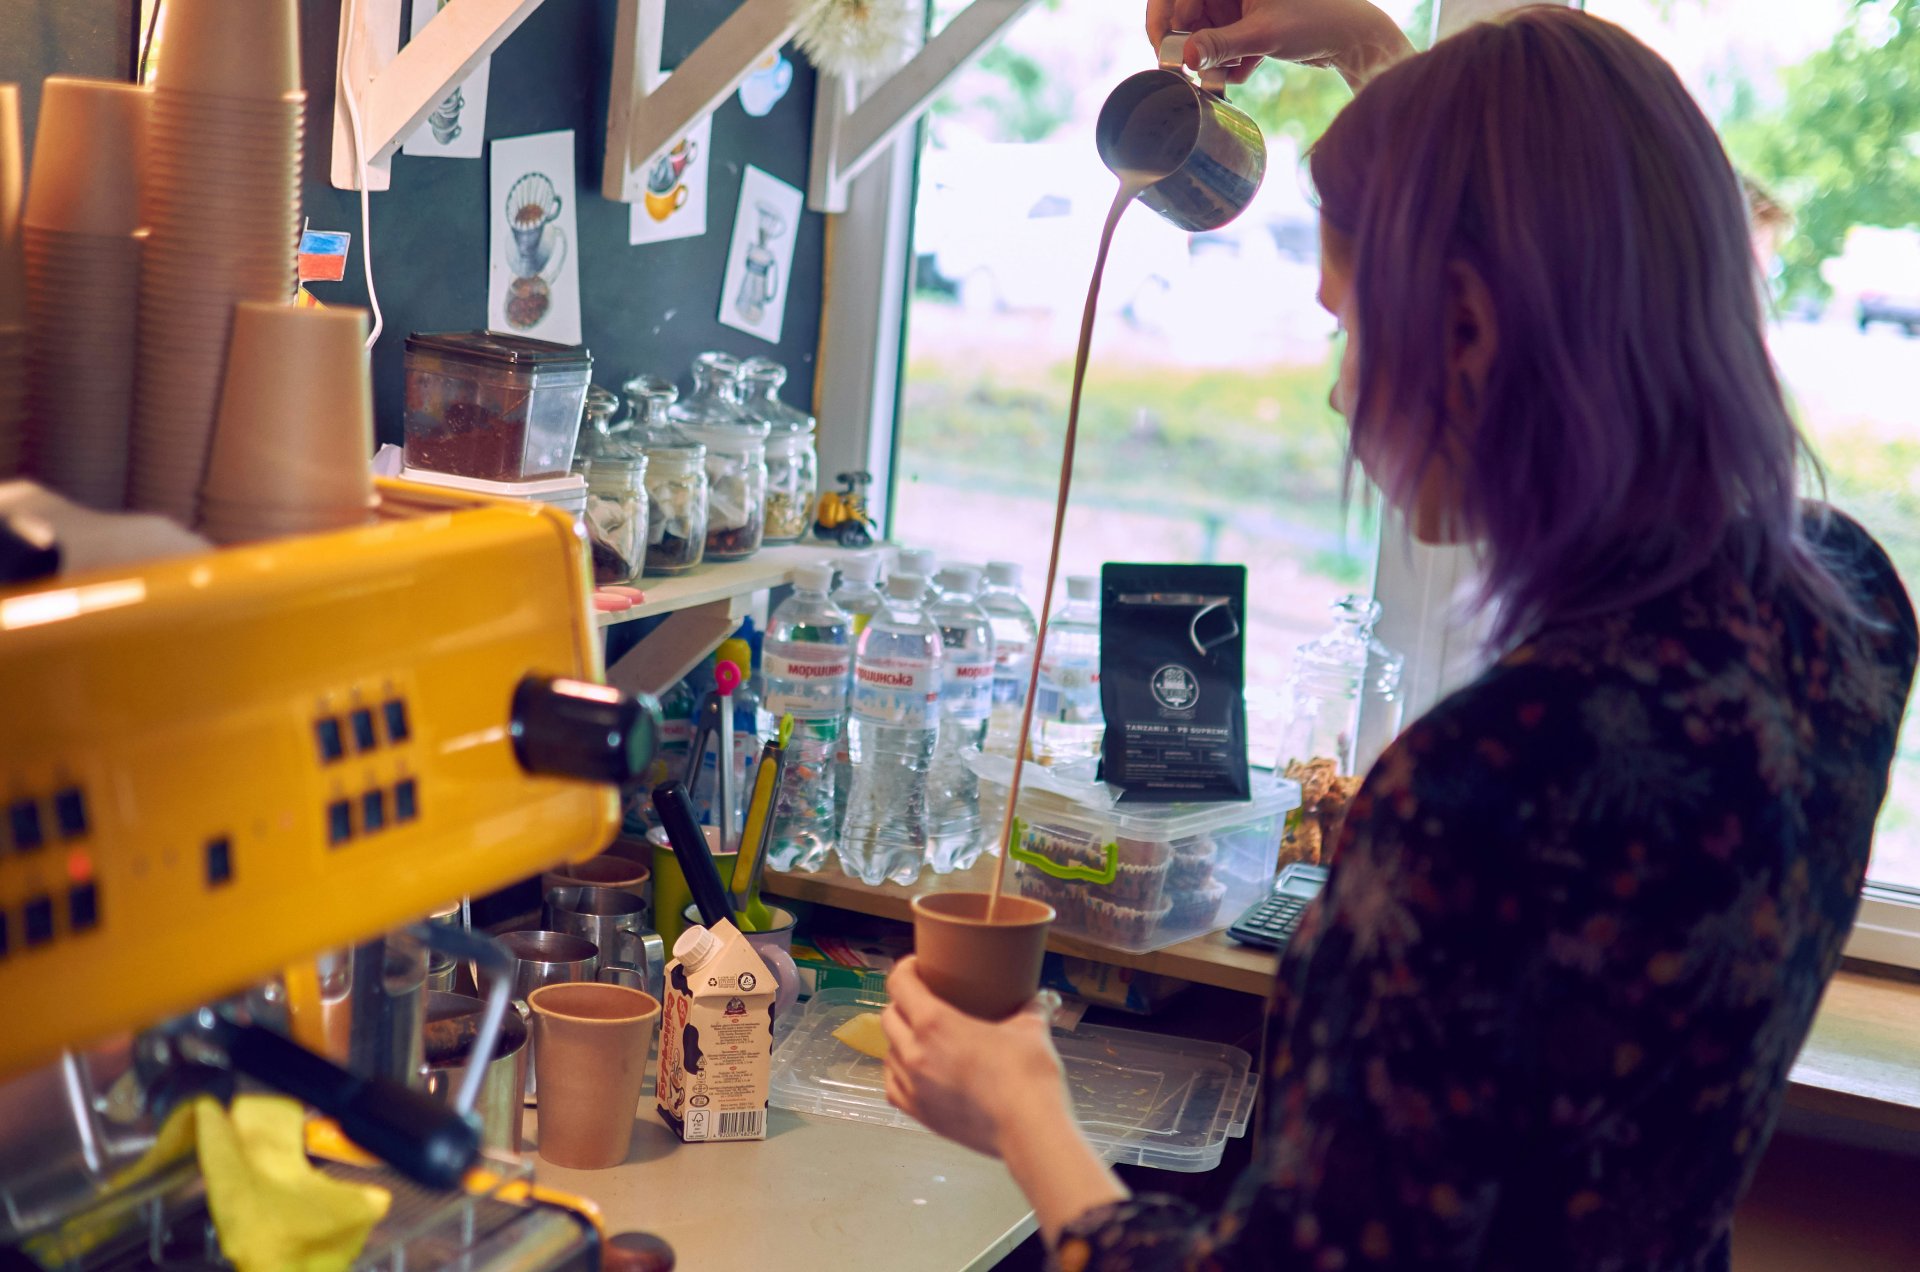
[
  {"x": 496, "y": 407},
  {"x": 1142, "y": 1099},
  {"x": 1135, "y": 877}
]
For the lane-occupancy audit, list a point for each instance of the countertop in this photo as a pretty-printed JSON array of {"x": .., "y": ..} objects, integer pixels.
[{"x": 817, "y": 1193}]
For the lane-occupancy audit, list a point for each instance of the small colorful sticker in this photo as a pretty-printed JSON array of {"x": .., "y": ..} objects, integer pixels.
[{"x": 323, "y": 255}]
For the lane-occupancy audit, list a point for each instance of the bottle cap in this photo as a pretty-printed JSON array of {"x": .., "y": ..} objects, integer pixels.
[
  {"x": 815, "y": 576},
  {"x": 906, "y": 587},
  {"x": 694, "y": 947},
  {"x": 736, "y": 651},
  {"x": 863, "y": 569},
  {"x": 964, "y": 579},
  {"x": 1083, "y": 587},
  {"x": 1003, "y": 573},
  {"x": 919, "y": 561}
]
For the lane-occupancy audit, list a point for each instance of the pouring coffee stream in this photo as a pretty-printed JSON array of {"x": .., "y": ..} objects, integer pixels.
[{"x": 1180, "y": 148}]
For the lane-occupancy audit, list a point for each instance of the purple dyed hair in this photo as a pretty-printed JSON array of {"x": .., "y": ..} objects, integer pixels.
[{"x": 1632, "y": 427}]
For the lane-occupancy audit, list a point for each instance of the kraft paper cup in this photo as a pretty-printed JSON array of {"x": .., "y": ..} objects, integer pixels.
[
  {"x": 295, "y": 422},
  {"x": 13, "y": 376},
  {"x": 87, "y": 157},
  {"x": 13, "y": 274},
  {"x": 591, "y": 1043},
  {"x": 986, "y": 969},
  {"x": 232, "y": 48},
  {"x": 608, "y": 870}
]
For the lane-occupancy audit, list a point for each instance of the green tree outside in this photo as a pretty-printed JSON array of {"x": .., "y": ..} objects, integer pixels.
[{"x": 1844, "y": 148}]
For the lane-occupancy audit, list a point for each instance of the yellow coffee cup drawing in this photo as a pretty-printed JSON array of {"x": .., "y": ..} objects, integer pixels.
[{"x": 662, "y": 206}]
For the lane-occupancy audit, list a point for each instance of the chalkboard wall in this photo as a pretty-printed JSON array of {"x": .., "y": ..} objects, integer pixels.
[
  {"x": 430, "y": 230},
  {"x": 39, "y": 38}
]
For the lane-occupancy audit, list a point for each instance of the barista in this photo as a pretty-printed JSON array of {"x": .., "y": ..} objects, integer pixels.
[{"x": 1582, "y": 911}]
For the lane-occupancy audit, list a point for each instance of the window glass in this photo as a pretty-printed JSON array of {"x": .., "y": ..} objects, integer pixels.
[
  {"x": 1205, "y": 431},
  {"x": 1819, "y": 104}
]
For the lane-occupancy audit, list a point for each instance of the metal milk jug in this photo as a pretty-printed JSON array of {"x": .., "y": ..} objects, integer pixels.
[{"x": 1206, "y": 155}]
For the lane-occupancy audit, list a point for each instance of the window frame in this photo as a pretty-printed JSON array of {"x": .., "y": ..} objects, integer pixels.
[{"x": 859, "y": 376}]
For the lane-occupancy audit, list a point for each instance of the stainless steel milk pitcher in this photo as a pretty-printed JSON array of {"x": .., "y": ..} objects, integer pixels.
[{"x": 1204, "y": 155}]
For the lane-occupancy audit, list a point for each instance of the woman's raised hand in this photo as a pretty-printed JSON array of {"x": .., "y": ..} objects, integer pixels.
[{"x": 1351, "y": 36}]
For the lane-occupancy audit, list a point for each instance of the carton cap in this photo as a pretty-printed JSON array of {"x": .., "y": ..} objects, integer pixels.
[
  {"x": 694, "y": 947},
  {"x": 919, "y": 561},
  {"x": 1003, "y": 573},
  {"x": 906, "y": 587}
]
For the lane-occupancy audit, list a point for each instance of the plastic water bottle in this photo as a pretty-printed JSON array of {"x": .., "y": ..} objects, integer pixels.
[
  {"x": 892, "y": 732},
  {"x": 677, "y": 704},
  {"x": 1068, "y": 722},
  {"x": 808, "y": 651},
  {"x": 861, "y": 599},
  {"x": 1014, "y": 631},
  {"x": 966, "y": 704}
]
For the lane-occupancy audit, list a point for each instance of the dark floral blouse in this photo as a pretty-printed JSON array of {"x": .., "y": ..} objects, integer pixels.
[{"x": 1542, "y": 1016}]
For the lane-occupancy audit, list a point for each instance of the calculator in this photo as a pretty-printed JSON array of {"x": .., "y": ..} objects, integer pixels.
[{"x": 1269, "y": 922}]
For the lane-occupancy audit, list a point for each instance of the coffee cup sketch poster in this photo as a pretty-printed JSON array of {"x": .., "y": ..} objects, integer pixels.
[
  {"x": 533, "y": 263},
  {"x": 674, "y": 204},
  {"x": 457, "y": 127},
  {"x": 766, "y": 225}
]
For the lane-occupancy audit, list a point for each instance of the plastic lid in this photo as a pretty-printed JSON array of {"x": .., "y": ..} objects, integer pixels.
[
  {"x": 695, "y": 946},
  {"x": 1003, "y": 573},
  {"x": 1146, "y": 1099},
  {"x": 550, "y": 489},
  {"x": 738, "y": 652},
  {"x": 964, "y": 579},
  {"x": 862, "y": 569},
  {"x": 815, "y": 576},
  {"x": 494, "y": 346},
  {"x": 906, "y": 587},
  {"x": 921, "y": 561},
  {"x": 1083, "y": 587}
]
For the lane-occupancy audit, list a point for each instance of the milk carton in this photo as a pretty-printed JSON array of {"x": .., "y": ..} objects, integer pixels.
[{"x": 716, "y": 1037}]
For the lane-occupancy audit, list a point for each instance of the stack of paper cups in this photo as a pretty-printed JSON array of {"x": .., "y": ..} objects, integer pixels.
[
  {"x": 13, "y": 289},
  {"x": 293, "y": 444},
  {"x": 83, "y": 283},
  {"x": 222, "y": 209}
]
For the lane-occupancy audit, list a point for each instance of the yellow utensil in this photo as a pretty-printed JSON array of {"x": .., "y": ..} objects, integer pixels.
[{"x": 753, "y": 914}]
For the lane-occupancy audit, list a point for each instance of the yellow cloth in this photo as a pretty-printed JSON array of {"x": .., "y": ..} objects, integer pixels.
[{"x": 271, "y": 1207}]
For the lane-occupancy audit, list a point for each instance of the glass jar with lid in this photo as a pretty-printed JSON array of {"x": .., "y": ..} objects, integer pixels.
[
  {"x": 618, "y": 515},
  {"x": 676, "y": 478},
  {"x": 793, "y": 466},
  {"x": 1342, "y": 702},
  {"x": 736, "y": 457}
]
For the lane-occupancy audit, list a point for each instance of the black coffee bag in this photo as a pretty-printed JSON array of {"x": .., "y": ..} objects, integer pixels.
[{"x": 1172, "y": 681}]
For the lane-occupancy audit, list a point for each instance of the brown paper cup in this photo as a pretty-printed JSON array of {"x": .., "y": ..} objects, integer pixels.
[
  {"x": 590, "y": 1051},
  {"x": 599, "y": 872},
  {"x": 13, "y": 274},
  {"x": 295, "y": 422},
  {"x": 87, "y": 157},
  {"x": 986, "y": 969},
  {"x": 231, "y": 48}
]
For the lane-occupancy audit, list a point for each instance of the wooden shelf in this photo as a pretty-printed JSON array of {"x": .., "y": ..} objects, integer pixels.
[
  {"x": 1205, "y": 960},
  {"x": 705, "y": 607}
]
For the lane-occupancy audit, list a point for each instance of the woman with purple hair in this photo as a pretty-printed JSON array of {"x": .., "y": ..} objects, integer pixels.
[{"x": 1581, "y": 912}]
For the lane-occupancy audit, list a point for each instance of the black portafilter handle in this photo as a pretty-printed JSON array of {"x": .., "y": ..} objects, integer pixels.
[
  {"x": 566, "y": 727},
  {"x": 411, "y": 1131}
]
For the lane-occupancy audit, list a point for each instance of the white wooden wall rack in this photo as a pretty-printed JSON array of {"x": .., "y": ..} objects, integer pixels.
[
  {"x": 853, "y": 124},
  {"x": 395, "y": 88},
  {"x": 649, "y": 111}
]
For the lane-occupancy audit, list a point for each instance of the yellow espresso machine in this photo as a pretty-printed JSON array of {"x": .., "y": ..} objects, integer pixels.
[{"x": 215, "y": 766}]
